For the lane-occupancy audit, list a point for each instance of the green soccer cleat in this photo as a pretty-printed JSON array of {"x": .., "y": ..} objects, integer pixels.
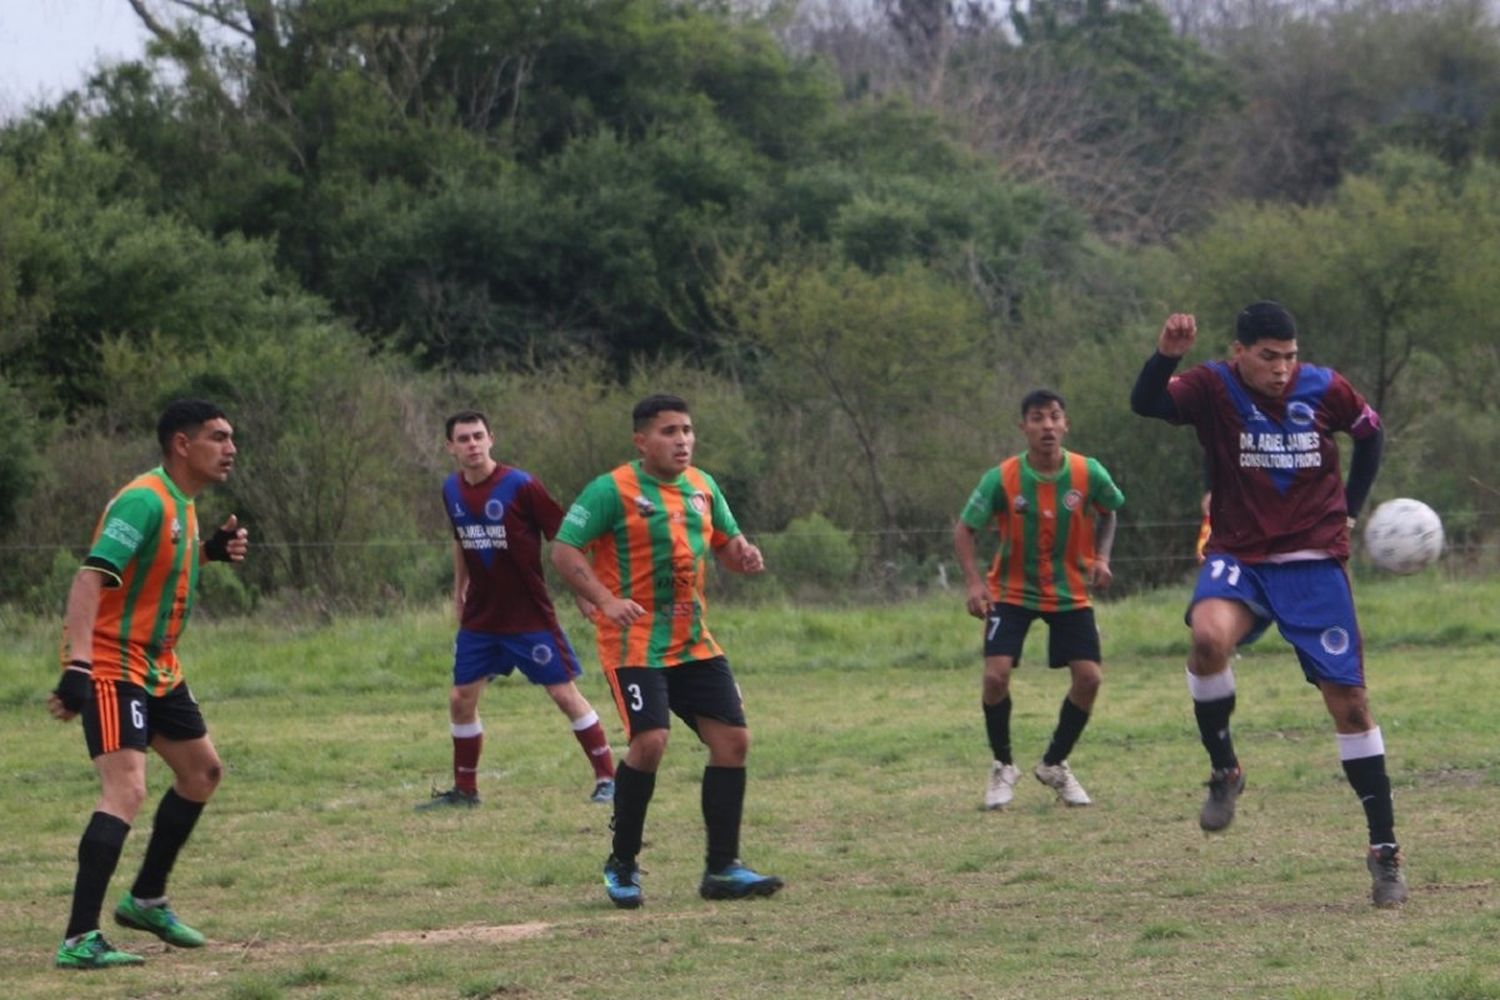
[
  {"x": 93, "y": 952},
  {"x": 158, "y": 920}
]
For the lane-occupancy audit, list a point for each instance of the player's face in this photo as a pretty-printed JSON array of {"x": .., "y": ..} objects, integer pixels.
[
  {"x": 208, "y": 452},
  {"x": 666, "y": 444},
  {"x": 470, "y": 445},
  {"x": 1044, "y": 427},
  {"x": 1267, "y": 366}
]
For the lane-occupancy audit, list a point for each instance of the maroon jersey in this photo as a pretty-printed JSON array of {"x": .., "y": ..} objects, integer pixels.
[
  {"x": 1273, "y": 463},
  {"x": 499, "y": 523}
]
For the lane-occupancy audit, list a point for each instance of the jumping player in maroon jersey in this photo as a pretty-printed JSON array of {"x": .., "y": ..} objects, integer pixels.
[
  {"x": 506, "y": 619},
  {"x": 1281, "y": 516}
]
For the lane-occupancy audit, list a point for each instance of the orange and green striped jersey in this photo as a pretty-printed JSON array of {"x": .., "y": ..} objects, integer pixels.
[
  {"x": 146, "y": 545},
  {"x": 1046, "y": 528},
  {"x": 650, "y": 542}
]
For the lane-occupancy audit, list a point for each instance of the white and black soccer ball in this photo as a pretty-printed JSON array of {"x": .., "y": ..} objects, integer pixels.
[{"x": 1404, "y": 536}]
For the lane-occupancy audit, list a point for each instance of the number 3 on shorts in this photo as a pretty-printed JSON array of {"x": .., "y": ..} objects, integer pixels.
[
  {"x": 1216, "y": 569},
  {"x": 636, "y": 701}
]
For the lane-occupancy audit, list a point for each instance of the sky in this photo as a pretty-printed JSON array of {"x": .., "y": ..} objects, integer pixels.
[{"x": 48, "y": 47}]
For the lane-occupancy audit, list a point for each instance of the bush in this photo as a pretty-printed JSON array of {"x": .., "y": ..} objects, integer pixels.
[{"x": 812, "y": 553}]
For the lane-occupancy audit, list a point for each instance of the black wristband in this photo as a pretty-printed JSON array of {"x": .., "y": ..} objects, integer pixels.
[
  {"x": 216, "y": 549},
  {"x": 75, "y": 689}
]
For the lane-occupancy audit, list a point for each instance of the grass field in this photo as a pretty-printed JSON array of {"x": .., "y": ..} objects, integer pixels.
[{"x": 313, "y": 877}]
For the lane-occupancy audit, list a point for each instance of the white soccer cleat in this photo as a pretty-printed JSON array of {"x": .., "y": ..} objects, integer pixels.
[
  {"x": 1003, "y": 778},
  {"x": 1059, "y": 778}
]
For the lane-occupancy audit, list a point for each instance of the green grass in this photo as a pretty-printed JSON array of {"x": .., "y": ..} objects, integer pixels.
[{"x": 313, "y": 877}]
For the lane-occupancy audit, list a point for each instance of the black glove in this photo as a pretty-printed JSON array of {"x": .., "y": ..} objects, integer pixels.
[
  {"x": 216, "y": 549},
  {"x": 75, "y": 689}
]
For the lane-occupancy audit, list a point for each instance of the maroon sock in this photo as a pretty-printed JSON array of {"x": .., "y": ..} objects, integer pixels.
[
  {"x": 466, "y": 762},
  {"x": 596, "y": 745}
]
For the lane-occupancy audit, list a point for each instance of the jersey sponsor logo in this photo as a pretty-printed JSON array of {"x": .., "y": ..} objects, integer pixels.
[
  {"x": 1335, "y": 641},
  {"x": 541, "y": 654},
  {"x": 481, "y": 537},
  {"x": 578, "y": 516},
  {"x": 494, "y": 509},
  {"x": 1072, "y": 499},
  {"x": 1299, "y": 413},
  {"x": 458, "y": 509},
  {"x": 1254, "y": 416},
  {"x": 1273, "y": 450},
  {"x": 122, "y": 532},
  {"x": 699, "y": 502},
  {"x": 644, "y": 506}
]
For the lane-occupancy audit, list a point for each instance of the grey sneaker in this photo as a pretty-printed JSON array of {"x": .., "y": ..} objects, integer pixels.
[
  {"x": 1224, "y": 788},
  {"x": 1002, "y": 787},
  {"x": 604, "y": 792},
  {"x": 1059, "y": 778},
  {"x": 1388, "y": 881},
  {"x": 451, "y": 798}
]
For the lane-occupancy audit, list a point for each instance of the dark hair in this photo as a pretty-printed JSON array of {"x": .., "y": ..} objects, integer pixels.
[
  {"x": 1040, "y": 397},
  {"x": 1264, "y": 320},
  {"x": 465, "y": 417},
  {"x": 185, "y": 415},
  {"x": 646, "y": 410}
]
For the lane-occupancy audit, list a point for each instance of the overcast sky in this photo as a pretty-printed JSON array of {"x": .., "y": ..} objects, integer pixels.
[{"x": 47, "y": 47}]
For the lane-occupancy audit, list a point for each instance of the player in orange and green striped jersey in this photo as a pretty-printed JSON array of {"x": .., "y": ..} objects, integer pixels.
[
  {"x": 1054, "y": 513},
  {"x": 635, "y": 545},
  {"x": 126, "y": 608}
]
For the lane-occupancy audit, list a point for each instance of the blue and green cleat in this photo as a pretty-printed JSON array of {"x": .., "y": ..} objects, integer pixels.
[
  {"x": 91, "y": 951},
  {"x": 735, "y": 881},
  {"x": 158, "y": 920},
  {"x": 622, "y": 880}
]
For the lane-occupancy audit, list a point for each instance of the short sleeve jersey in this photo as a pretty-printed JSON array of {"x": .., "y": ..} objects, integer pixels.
[
  {"x": 499, "y": 523},
  {"x": 1273, "y": 463},
  {"x": 146, "y": 546},
  {"x": 650, "y": 541},
  {"x": 1046, "y": 529}
]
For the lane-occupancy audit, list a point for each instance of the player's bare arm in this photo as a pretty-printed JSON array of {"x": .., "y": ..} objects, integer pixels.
[
  {"x": 460, "y": 581},
  {"x": 78, "y": 631},
  {"x": 1100, "y": 574},
  {"x": 739, "y": 556},
  {"x": 978, "y": 596},
  {"x": 576, "y": 572}
]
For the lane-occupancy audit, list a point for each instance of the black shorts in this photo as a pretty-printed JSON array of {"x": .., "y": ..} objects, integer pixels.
[
  {"x": 645, "y": 695},
  {"x": 122, "y": 716},
  {"x": 1071, "y": 635}
]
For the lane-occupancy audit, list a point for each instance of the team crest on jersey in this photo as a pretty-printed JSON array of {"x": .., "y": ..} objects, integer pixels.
[
  {"x": 541, "y": 654},
  {"x": 494, "y": 509},
  {"x": 1299, "y": 413},
  {"x": 1072, "y": 499},
  {"x": 699, "y": 502},
  {"x": 1019, "y": 504},
  {"x": 646, "y": 507},
  {"x": 1335, "y": 641},
  {"x": 177, "y": 530}
]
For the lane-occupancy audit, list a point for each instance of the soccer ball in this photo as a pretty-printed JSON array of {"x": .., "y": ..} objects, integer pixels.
[{"x": 1404, "y": 536}]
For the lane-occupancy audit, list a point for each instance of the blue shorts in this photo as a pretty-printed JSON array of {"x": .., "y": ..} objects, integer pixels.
[
  {"x": 544, "y": 657},
  {"x": 1310, "y": 602}
]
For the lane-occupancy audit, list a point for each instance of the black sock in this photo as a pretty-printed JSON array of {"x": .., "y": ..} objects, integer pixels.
[
  {"x": 1213, "y": 730},
  {"x": 997, "y": 726},
  {"x": 723, "y": 805},
  {"x": 1368, "y": 778},
  {"x": 175, "y": 818},
  {"x": 98, "y": 854},
  {"x": 1070, "y": 722},
  {"x": 633, "y": 791}
]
